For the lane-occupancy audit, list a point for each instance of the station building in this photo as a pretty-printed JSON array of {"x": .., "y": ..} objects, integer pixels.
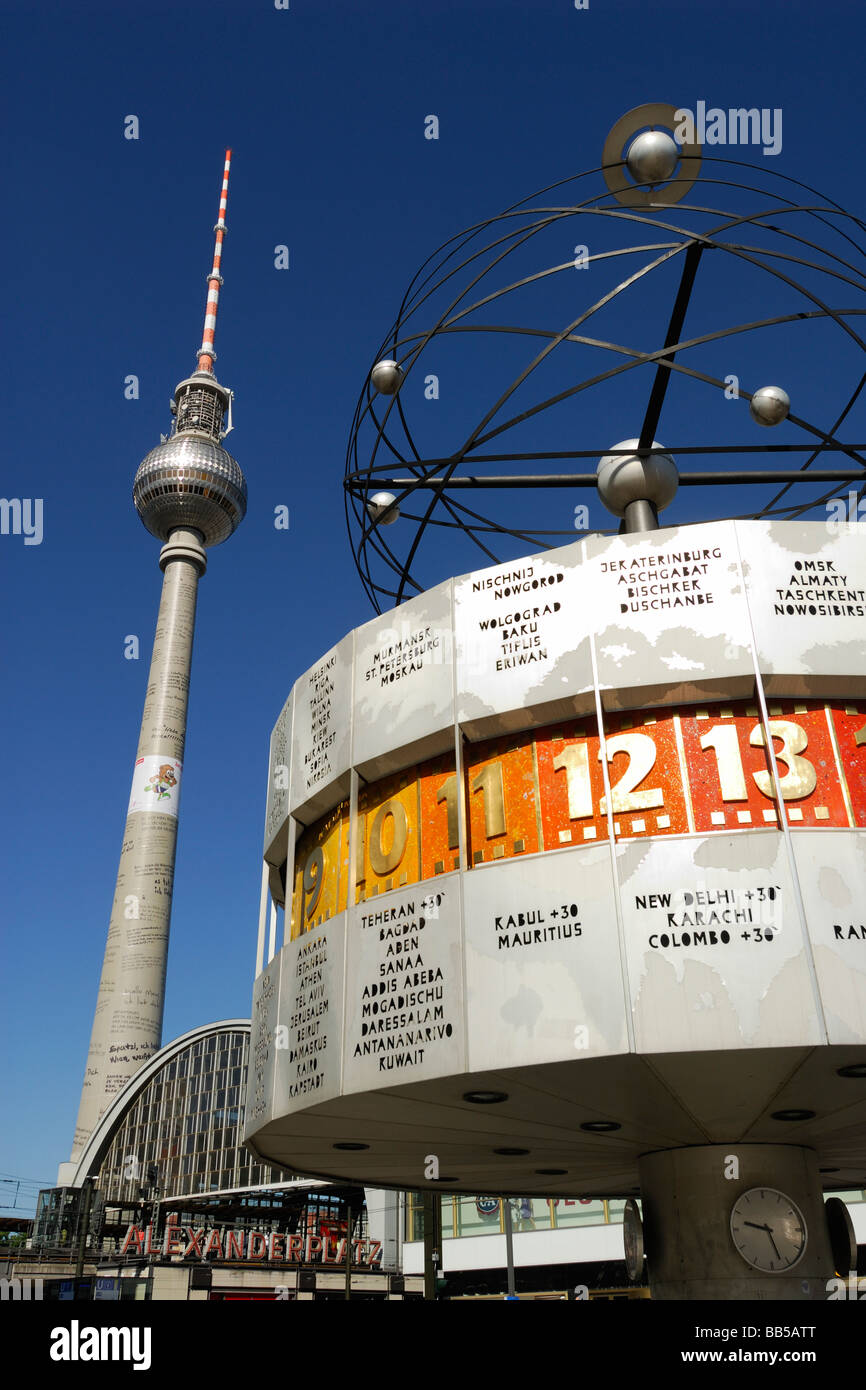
[{"x": 167, "y": 1203}]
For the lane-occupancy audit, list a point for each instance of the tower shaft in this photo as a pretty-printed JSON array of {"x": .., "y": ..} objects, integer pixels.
[
  {"x": 191, "y": 494},
  {"x": 127, "y": 1024}
]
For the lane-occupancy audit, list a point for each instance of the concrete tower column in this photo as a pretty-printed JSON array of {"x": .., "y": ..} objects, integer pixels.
[
  {"x": 688, "y": 1196},
  {"x": 127, "y": 1024}
]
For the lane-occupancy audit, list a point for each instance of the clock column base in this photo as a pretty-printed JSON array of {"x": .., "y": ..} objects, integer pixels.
[{"x": 688, "y": 1197}]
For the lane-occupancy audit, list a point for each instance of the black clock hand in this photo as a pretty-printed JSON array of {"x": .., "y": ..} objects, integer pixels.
[{"x": 769, "y": 1230}]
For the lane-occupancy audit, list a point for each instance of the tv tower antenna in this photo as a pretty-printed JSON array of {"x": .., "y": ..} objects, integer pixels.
[{"x": 191, "y": 494}]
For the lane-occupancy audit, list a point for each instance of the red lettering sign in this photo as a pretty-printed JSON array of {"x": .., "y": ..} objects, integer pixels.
[{"x": 275, "y": 1246}]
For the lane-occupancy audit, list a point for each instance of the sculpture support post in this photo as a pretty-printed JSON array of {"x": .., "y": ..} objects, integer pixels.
[{"x": 641, "y": 516}]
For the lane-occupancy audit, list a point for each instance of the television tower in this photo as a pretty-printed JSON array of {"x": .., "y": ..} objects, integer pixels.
[{"x": 191, "y": 494}]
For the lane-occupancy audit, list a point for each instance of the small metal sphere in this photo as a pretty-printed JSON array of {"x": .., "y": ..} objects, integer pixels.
[
  {"x": 387, "y": 377},
  {"x": 624, "y": 478},
  {"x": 383, "y": 508},
  {"x": 770, "y": 405},
  {"x": 652, "y": 157},
  {"x": 191, "y": 482}
]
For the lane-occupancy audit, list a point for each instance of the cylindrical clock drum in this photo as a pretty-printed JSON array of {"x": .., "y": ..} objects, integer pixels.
[{"x": 572, "y": 853}]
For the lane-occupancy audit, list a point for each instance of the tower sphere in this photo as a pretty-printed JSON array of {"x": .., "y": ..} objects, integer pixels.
[
  {"x": 770, "y": 405},
  {"x": 624, "y": 478},
  {"x": 387, "y": 377},
  {"x": 652, "y": 157},
  {"x": 193, "y": 483}
]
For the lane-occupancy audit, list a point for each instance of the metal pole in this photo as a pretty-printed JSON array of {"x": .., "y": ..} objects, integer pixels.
[
  {"x": 83, "y": 1225},
  {"x": 675, "y": 327},
  {"x": 509, "y": 1246},
  {"x": 712, "y": 478},
  {"x": 640, "y": 516},
  {"x": 432, "y": 1255},
  {"x": 349, "y": 1253},
  {"x": 154, "y": 1213}
]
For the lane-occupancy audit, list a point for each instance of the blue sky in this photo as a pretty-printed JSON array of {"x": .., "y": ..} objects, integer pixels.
[{"x": 107, "y": 244}]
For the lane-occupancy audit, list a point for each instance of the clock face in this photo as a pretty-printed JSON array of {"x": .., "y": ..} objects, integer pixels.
[
  {"x": 632, "y": 1236},
  {"x": 768, "y": 1230},
  {"x": 843, "y": 1241}
]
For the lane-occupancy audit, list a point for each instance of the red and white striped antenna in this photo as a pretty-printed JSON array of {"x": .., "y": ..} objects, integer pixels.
[{"x": 206, "y": 353}]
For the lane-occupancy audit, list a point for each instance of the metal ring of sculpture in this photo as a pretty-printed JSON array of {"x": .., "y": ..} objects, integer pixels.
[{"x": 440, "y": 487}]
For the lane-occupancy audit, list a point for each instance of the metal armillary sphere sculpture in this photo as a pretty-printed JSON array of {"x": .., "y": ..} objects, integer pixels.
[{"x": 559, "y": 326}]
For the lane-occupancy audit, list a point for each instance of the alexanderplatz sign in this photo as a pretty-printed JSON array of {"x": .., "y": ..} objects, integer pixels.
[{"x": 224, "y": 1244}]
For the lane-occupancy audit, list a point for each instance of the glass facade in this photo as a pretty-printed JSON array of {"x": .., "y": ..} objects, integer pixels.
[
  {"x": 57, "y": 1214},
  {"x": 484, "y": 1216},
  {"x": 182, "y": 1133}
]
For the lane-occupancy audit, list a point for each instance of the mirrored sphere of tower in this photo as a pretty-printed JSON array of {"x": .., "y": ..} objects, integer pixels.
[{"x": 190, "y": 482}]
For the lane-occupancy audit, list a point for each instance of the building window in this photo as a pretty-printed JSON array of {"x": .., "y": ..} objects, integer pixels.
[{"x": 578, "y": 1211}]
